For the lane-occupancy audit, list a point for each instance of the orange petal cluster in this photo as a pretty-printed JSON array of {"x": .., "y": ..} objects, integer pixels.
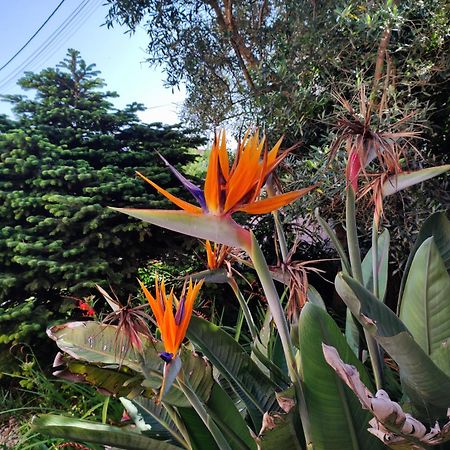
[
  {"x": 228, "y": 189},
  {"x": 173, "y": 327}
]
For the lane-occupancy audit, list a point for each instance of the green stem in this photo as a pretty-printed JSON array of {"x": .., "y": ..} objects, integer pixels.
[
  {"x": 244, "y": 307},
  {"x": 376, "y": 288},
  {"x": 355, "y": 262},
  {"x": 273, "y": 300},
  {"x": 239, "y": 322},
  {"x": 278, "y": 226},
  {"x": 352, "y": 236},
  {"x": 335, "y": 241}
]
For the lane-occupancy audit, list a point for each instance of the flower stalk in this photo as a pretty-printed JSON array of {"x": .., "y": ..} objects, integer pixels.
[
  {"x": 355, "y": 262},
  {"x": 279, "y": 317}
]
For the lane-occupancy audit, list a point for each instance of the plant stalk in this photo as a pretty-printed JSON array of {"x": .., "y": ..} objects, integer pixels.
[
  {"x": 355, "y": 262},
  {"x": 352, "y": 236},
  {"x": 376, "y": 287},
  {"x": 278, "y": 226},
  {"x": 273, "y": 300}
]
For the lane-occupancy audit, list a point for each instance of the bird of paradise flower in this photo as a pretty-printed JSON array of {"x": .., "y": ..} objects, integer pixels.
[{"x": 228, "y": 188}]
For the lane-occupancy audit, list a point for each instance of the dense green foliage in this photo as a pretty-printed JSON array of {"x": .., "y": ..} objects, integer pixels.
[
  {"x": 66, "y": 157},
  {"x": 279, "y": 62}
]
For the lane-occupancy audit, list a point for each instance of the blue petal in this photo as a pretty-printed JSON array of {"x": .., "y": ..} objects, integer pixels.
[
  {"x": 166, "y": 357},
  {"x": 180, "y": 311},
  {"x": 189, "y": 185}
]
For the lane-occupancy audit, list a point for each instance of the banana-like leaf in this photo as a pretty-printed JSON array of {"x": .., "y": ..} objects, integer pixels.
[
  {"x": 336, "y": 418},
  {"x": 404, "y": 180},
  {"x": 315, "y": 298},
  {"x": 382, "y": 265},
  {"x": 425, "y": 307},
  {"x": 394, "y": 427},
  {"x": 96, "y": 343},
  {"x": 118, "y": 382},
  {"x": 227, "y": 356},
  {"x": 203, "y": 226},
  {"x": 438, "y": 226},
  {"x": 260, "y": 348},
  {"x": 199, "y": 436},
  {"x": 102, "y": 343},
  {"x": 279, "y": 432},
  {"x": 427, "y": 386},
  {"x": 227, "y": 417},
  {"x": 85, "y": 431},
  {"x": 152, "y": 420}
]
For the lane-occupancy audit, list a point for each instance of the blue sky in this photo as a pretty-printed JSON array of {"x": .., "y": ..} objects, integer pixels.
[{"x": 119, "y": 56}]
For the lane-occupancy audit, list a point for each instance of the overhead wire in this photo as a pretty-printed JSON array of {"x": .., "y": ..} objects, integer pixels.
[
  {"x": 55, "y": 41},
  {"x": 32, "y": 37}
]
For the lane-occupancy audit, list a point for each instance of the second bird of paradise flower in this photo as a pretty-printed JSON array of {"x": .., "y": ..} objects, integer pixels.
[{"x": 173, "y": 327}]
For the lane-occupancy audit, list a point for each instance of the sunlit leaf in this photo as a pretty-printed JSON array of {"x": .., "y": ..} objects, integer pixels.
[{"x": 406, "y": 179}]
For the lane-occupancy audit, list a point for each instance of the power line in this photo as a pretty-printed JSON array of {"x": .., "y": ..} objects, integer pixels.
[
  {"x": 32, "y": 37},
  {"x": 49, "y": 47}
]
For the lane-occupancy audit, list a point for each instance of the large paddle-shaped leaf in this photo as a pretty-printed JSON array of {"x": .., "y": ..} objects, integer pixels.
[
  {"x": 152, "y": 420},
  {"x": 118, "y": 382},
  {"x": 404, "y": 180},
  {"x": 227, "y": 417},
  {"x": 425, "y": 307},
  {"x": 427, "y": 386},
  {"x": 255, "y": 388},
  {"x": 97, "y": 343},
  {"x": 337, "y": 419},
  {"x": 438, "y": 226},
  {"x": 85, "y": 431},
  {"x": 100, "y": 343}
]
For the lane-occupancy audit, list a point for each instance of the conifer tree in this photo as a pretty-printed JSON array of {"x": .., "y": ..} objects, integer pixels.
[{"x": 66, "y": 157}]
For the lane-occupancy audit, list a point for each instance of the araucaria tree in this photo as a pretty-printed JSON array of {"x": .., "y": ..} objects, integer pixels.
[{"x": 66, "y": 157}]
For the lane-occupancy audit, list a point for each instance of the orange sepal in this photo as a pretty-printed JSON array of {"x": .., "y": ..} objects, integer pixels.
[
  {"x": 177, "y": 201},
  {"x": 272, "y": 203},
  {"x": 211, "y": 189}
]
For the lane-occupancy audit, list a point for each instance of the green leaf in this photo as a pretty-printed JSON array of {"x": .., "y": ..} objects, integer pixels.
[
  {"x": 280, "y": 433},
  {"x": 256, "y": 390},
  {"x": 199, "y": 436},
  {"x": 425, "y": 307},
  {"x": 229, "y": 420},
  {"x": 152, "y": 420},
  {"x": 119, "y": 382},
  {"x": 426, "y": 385},
  {"x": 100, "y": 343},
  {"x": 336, "y": 417},
  {"x": 83, "y": 430},
  {"x": 404, "y": 180},
  {"x": 438, "y": 226},
  {"x": 382, "y": 265},
  {"x": 96, "y": 343},
  {"x": 351, "y": 332},
  {"x": 203, "y": 226},
  {"x": 315, "y": 298}
]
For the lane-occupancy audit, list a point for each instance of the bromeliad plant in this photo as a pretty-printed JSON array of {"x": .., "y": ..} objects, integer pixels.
[{"x": 287, "y": 390}]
